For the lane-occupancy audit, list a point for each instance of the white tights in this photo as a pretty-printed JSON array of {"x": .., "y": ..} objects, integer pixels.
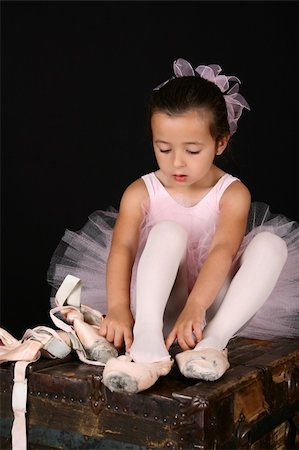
[{"x": 159, "y": 283}]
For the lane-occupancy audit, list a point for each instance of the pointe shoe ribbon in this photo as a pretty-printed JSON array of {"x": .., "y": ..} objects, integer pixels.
[
  {"x": 24, "y": 352},
  {"x": 45, "y": 341},
  {"x": 68, "y": 301},
  {"x": 204, "y": 364},
  {"x": 29, "y": 347},
  {"x": 122, "y": 374}
]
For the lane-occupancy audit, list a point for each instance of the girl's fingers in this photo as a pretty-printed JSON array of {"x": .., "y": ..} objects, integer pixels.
[
  {"x": 183, "y": 344},
  {"x": 118, "y": 338},
  {"x": 186, "y": 338},
  {"x": 170, "y": 338},
  {"x": 128, "y": 338},
  {"x": 182, "y": 339},
  {"x": 117, "y": 334},
  {"x": 110, "y": 334},
  {"x": 198, "y": 332},
  {"x": 103, "y": 330}
]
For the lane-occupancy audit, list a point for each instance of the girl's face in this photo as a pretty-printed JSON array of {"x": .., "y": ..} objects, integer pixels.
[{"x": 184, "y": 147}]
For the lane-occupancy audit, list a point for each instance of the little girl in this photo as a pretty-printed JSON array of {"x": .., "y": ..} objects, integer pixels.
[{"x": 188, "y": 258}]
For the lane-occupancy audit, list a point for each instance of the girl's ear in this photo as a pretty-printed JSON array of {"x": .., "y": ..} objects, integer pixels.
[{"x": 222, "y": 144}]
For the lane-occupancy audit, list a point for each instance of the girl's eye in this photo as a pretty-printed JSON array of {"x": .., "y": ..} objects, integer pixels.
[
  {"x": 164, "y": 150},
  {"x": 193, "y": 152}
]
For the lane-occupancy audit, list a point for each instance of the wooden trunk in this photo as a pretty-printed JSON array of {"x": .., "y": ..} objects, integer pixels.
[{"x": 255, "y": 405}]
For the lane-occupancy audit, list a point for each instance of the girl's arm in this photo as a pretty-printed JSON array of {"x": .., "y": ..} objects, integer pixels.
[
  {"x": 118, "y": 323},
  {"x": 234, "y": 208}
]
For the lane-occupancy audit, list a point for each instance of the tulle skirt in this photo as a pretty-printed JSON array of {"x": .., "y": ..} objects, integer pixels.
[{"x": 84, "y": 254}]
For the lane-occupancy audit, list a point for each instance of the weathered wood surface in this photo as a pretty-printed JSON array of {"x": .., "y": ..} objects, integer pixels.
[{"x": 255, "y": 405}]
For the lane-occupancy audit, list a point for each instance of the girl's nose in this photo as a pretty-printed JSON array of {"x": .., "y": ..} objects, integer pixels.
[{"x": 178, "y": 160}]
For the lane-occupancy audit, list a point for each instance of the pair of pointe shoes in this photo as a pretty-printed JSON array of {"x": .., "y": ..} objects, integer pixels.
[{"x": 122, "y": 374}]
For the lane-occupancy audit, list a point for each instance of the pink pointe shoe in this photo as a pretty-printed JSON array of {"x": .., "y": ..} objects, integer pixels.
[
  {"x": 122, "y": 374},
  {"x": 204, "y": 364},
  {"x": 96, "y": 347}
]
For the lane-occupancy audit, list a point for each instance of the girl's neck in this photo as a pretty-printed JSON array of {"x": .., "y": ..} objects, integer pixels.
[{"x": 192, "y": 194}]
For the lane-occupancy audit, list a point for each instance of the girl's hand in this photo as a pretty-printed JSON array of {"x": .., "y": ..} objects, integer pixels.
[
  {"x": 117, "y": 327},
  {"x": 188, "y": 327}
]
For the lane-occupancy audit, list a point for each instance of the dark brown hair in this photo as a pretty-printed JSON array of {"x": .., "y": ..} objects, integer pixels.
[{"x": 183, "y": 94}]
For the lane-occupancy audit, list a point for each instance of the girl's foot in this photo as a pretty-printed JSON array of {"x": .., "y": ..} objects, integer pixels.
[
  {"x": 204, "y": 364},
  {"x": 122, "y": 374}
]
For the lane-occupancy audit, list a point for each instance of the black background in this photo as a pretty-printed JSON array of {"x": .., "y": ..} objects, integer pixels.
[{"x": 76, "y": 77}]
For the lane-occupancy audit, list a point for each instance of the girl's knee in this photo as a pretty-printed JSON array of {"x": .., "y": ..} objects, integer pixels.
[
  {"x": 169, "y": 231},
  {"x": 271, "y": 244}
]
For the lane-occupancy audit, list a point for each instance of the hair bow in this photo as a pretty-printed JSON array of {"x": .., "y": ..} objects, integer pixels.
[{"x": 234, "y": 101}]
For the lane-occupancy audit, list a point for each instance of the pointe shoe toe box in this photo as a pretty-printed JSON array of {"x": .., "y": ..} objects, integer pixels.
[
  {"x": 101, "y": 350},
  {"x": 117, "y": 381},
  {"x": 124, "y": 375},
  {"x": 204, "y": 364}
]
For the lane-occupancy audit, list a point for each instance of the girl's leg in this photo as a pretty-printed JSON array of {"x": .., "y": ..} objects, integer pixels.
[
  {"x": 261, "y": 265},
  {"x": 156, "y": 274}
]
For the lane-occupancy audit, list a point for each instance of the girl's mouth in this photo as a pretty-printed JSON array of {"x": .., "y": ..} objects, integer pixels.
[{"x": 180, "y": 178}]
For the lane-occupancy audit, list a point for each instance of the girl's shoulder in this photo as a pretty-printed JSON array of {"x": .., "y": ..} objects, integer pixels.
[
  {"x": 135, "y": 194},
  {"x": 236, "y": 195},
  {"x": 237, "y": 186},
  {"x": 131, "y": 210},
  {"x": 137, "y": 187}
]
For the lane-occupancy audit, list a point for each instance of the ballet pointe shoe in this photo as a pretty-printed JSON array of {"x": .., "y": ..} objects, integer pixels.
[
  {"x": 122, "y": 374},
  {"x": 101, "y": 350},
  {"x": 207, "y": 364},
  {"x": 96, "y": 347}
]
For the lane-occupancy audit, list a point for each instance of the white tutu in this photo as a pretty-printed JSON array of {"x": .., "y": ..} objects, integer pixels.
[
  {"x": 84, "y": 254},
  {"x": 279, "y": 316}
]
